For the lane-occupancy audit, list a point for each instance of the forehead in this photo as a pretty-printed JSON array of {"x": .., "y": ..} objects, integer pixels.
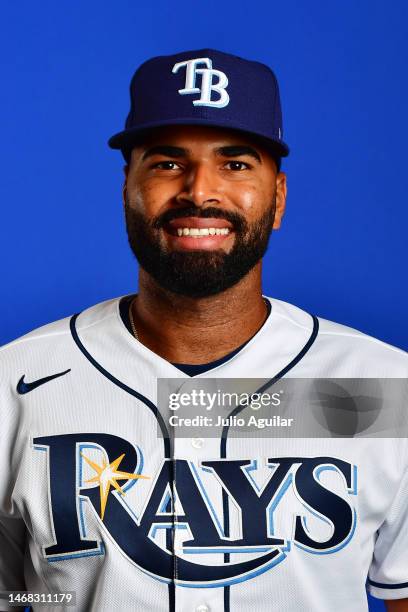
[{"x": 193, "y": 137}]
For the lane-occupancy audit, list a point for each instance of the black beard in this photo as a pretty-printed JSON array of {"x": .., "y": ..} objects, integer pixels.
[{"x": 198, "y": 273}]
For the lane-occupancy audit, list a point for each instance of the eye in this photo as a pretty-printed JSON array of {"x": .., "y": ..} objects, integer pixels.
[
  {"x": 167, "y": 165},
  {"x": 236, "y": 166}
]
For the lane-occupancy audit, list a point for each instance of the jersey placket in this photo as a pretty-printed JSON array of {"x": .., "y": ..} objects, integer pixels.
[{"x": 194, "y": 450}]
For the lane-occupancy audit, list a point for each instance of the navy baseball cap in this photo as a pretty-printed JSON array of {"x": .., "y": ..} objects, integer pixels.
[{"x": 204, "y": 87}]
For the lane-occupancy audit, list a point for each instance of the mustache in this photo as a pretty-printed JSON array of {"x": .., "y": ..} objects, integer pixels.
[{"x": 238, "y": 222}]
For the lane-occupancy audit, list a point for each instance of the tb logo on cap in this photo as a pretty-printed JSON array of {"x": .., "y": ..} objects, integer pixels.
[{"x": 207, "y": 85}]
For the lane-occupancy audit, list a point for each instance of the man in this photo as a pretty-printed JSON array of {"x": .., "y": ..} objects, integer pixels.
[{"x": 95, "y": 496}]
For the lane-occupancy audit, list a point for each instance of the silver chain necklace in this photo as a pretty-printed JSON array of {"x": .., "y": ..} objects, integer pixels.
[{"x": 132, "y": 322}]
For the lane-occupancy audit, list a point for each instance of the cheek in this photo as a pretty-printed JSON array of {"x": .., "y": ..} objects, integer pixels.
[
  {"x": 248, "y": 200},
  {"x": 252, "y": 199},
  {"x": 145, "y": 199}
]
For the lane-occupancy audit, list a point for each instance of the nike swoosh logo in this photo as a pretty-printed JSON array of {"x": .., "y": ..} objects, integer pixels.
[{"x": 26, "y": 387}]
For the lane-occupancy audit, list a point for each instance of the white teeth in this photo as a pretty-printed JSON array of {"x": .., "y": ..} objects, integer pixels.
[{"x": 196, "y": 232}]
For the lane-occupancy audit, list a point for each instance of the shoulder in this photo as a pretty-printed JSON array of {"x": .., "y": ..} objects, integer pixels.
[
  {"x": 51, "y": 343},
  {"x": 342, "y": 350},
  {"x": 348, "y": 340}
]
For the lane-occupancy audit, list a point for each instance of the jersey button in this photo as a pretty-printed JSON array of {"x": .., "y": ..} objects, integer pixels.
[
  {"x": 198, "y": 443},
  {"x": 202, "y": 608}
]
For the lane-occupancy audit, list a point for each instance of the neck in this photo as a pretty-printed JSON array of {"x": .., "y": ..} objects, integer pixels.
[{"x": 198, "y": 330}]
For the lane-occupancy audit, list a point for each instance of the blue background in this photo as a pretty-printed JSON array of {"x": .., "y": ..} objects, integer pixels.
[{"x": 341, "y": 252}]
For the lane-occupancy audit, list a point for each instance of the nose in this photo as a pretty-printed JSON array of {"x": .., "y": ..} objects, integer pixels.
[{"x": 201, "y": 186}]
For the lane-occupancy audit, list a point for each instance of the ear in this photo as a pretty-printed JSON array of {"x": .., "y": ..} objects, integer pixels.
[
  {"x": 281, "y": 192},
  {"x": 124, "y": 188}
]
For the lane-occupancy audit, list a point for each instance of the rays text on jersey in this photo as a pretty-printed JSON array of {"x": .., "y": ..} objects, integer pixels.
[{"x": 183, "y": 497}]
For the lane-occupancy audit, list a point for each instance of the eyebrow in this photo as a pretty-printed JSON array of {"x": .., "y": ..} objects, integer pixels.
[
  {"x": 238, "y": 151},
  {"x": 166, "y": 150},
  {"x": 227, "y": 151}
]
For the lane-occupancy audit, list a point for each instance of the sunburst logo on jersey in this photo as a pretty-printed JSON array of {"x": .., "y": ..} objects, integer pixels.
[{"x": 107, "y": 476}]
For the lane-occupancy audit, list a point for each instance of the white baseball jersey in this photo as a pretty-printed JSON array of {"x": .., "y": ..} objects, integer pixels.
[{"x": 94, "y": 500}]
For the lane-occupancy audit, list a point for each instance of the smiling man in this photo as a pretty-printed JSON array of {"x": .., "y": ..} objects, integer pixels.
[
  {"x": 96, "y": 497},
  {"x": 200, "y": 205}
]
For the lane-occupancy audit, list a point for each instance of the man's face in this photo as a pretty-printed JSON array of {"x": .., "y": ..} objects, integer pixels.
[{"x": 200, "y": 205}]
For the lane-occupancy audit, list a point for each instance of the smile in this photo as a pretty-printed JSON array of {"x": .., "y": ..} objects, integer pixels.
[
  {"x": 196, "y": 232},
  {"x": 192, "y": 233}
]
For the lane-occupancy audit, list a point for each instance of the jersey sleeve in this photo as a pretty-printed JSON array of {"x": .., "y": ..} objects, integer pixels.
[
  {"x": 12, "y": 526},
  {"x": 388, "y": 574}
]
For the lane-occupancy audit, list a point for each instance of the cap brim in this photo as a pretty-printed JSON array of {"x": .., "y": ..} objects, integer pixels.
[{"x": 127, "y": 139}]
